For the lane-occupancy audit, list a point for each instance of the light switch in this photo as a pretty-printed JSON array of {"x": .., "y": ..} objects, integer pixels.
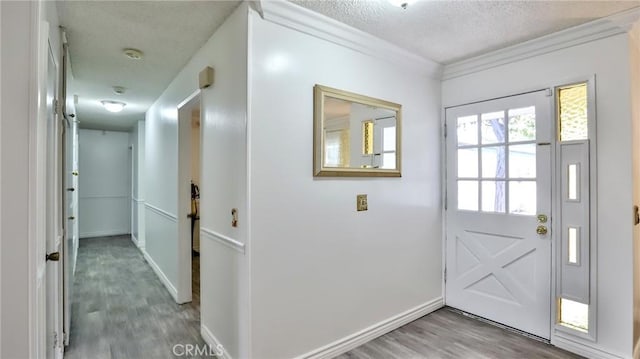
[{"x": 361, "y": 202}]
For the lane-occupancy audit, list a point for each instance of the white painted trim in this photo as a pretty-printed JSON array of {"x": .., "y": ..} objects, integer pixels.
[
  {"x": 213, "y": 342},
  {"x": 104, "y": 234},
  {"x": 137, "y": 200},
  {"x": 354, "y": 340},
  {"x": 591, "y": 31},
  {"x": 161, "y": 212},
  {"x": 322, "y": 27},
  {"x": 103, "y": 197},
  {"x": 134, "y": 239},
  {"x": 584, "y": 349},
  {"x": 221, "y": 238},
  {"x": 163, "y": 278}
]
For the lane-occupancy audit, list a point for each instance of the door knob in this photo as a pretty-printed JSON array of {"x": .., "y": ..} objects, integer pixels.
[
  {"x": 55, "y": 256},
  {"x": 71, "y": 218},
  {"x": 542, "y": 218},
  {"x": 542, "y": 230},
  {"x": 71, "y": 189}
]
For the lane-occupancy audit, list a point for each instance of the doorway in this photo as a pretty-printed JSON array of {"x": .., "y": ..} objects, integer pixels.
[
  {"x": 189, "y": 137},
  {"x": 498, "y": 210}
]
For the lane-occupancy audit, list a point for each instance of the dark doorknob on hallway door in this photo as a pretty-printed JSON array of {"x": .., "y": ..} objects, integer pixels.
[{"x": 55, "y": 256}]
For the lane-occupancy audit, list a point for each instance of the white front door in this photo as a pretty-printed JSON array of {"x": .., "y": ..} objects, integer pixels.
[{"x": 498, "y": 188}]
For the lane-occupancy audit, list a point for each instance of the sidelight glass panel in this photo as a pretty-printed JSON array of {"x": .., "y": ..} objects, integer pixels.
[
  {"x": 467, "y": 130},
  {"x": 573, "y": 245},
  {"x": 573, "y": 181},
  {"x": 467, "y": 162},
  {"x": 522, "y": 161},
  {"x": 574, "y": 315},
  {"x": 493, "y": 196},
  {"x": 522, "y": 124},
  {"x": 493, "y": 162},
  {"x": 572, "y": 111},
  {"x": 468, "y": 195},
  {"x": 522, "y": 197},
  {"x": 492, "y": 129}
]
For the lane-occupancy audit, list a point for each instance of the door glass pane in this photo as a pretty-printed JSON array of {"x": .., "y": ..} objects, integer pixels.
[
  {"x": 522, "y": 161},
  {"x": 522, "y": 197},
  {"x": 573, "y": 245},
  {"x": 468, "y": 162},
  {"x": 467, "y": 130},
  {"x": 492, "y": 129},
  {"x": 493, "y": 163},
  {"x": 468, "y": 195},
  {"x": 389, "y": 160},
  {"x": 389, "y": 139},
  {"x": 522, "y": 124},
  {"x": 574, "y": 315},
  {"x": 493, "y": 196},
  {"x": 573, "y": 181},
  {"x": 572, "y": 104}
]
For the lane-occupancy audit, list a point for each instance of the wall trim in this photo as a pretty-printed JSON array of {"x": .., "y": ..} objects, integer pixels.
[
  {"x": 163, "y": 278},
  {"x": 213, "y": 342},
  {"x": 354, "y": 340},
  {"x": 221, "y": 238},
  {"x": 109, "y": 233},
  {"x": 322, "y": 27},
  {"x": 585, "y": 349},
  {"x": 137, "y": 200},
  {"x": 161, "y": 212},
  {"x": 103, "y": 196},
  {"x": 577, "y": 35},
  {"x": 134, "y": 239}
]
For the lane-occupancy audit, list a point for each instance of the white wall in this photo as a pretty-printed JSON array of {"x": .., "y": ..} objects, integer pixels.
[
  {"x": 137, "y": 198},
  {"x": 223, "y": 180},
  {"x": 105, "y": 183},
  {"x": 17, "y": 74},
  {"x": 320, "y": 270},
  {"x": 608, "y": 59}
]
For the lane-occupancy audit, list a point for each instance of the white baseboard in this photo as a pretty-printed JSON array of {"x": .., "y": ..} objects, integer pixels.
[
  {"x": 354, "y": 340},
  {"x": 104, "y": 233},
  {"x": 588, "y": 351},
  {"x": 163, "y": 278},
  {"x": 213, "y": 342},
  {"x": 134, "y": 239}
]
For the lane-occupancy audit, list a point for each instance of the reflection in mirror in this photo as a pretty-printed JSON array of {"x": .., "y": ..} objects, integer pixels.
[{"x": 357, "y": 135}]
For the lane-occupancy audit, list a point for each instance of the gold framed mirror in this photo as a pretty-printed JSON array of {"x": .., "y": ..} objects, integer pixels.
[{"x": 355, "y": 135}]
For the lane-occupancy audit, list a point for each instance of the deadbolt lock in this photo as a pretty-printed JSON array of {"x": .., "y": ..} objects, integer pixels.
[
  {"x": 541, "y": 230},
  {"x": 542, "y": 218},
  {"x": 55, "y": 256}
]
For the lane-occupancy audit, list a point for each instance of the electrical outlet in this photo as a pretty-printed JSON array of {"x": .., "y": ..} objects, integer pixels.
[{"x": 361, "y": 202}]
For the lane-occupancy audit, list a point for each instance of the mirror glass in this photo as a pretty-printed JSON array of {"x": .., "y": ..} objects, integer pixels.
[{"x": 355, "y": 135}]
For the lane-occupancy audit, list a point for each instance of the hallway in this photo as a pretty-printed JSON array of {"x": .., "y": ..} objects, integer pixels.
[{"x": 121, "y": 310}]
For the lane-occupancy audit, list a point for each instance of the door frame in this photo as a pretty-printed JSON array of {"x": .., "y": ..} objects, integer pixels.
[
  {"x": 185, "y": 108},
  {"x": 557, "y": 337}
]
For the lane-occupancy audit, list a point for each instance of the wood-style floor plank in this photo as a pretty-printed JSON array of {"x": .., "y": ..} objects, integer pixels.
[
  {"x": 120, "y": 309},
  {"x": 446, "y": 334}
]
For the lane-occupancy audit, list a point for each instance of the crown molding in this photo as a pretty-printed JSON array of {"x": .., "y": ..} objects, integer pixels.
[
  {"x": 577, "y": 35},
  {"x": 317, "y": 25}
]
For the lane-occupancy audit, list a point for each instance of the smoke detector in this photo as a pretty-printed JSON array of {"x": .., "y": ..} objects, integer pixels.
[
  {"x": 118, "y": 90},
  {"x": 133, "y": 54}
]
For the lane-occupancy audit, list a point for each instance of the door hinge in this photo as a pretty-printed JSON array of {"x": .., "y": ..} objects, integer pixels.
[
  {"x": 55, "y": 339},
  {"x": 445, "y": 130},
  {"x": 445, "y": 274},
  {"x": 549, "y": 92}
]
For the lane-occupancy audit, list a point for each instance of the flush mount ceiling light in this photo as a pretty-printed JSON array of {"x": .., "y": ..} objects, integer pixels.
[
  {"x": 401, "y": 3},
  {"x": 133, "y": 54},
  {"x": 113, "y": 106}
]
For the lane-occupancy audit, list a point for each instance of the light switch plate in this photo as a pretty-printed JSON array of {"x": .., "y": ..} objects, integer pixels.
[{"x": 361, "y": 202}]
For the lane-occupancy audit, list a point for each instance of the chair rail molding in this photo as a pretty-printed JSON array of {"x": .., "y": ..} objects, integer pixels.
[
  {"x": 317, "y": 25},
  {"x": 598, "y": 29},
  {"x": 161, "y": 212},
  {"x": 222, "y": 239}
]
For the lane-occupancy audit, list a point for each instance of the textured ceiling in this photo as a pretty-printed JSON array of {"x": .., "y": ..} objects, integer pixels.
[
  {"x": 448, "y": 31},
  {"x": 168, "y": 32}
]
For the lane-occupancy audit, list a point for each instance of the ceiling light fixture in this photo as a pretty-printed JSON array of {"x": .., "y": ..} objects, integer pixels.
[
  {"x": 119, "y": 90},
  {"x": 133, "y": 54},
  {"x": 113, "y": 106},
  {"x": 402, "y": 3}
]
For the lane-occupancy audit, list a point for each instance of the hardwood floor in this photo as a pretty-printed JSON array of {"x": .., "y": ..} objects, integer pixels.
[
  {"x": 446, "y": 334},
  {"x": 121, "y": 310}
]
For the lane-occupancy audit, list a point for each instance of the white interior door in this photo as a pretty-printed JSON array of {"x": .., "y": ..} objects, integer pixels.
[{"x": 498, "y": 186}]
